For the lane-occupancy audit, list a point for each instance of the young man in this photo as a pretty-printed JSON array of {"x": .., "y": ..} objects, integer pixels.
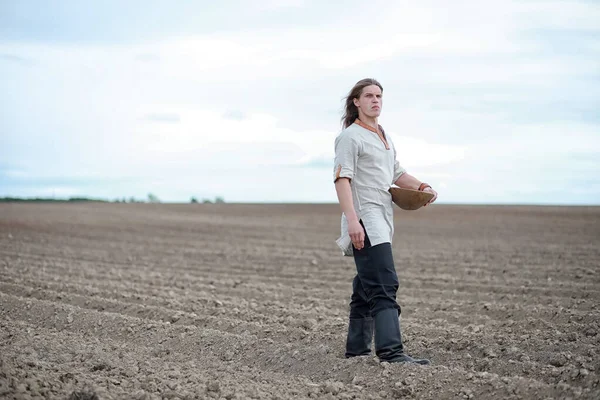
[{"x": 365, "y": 168}]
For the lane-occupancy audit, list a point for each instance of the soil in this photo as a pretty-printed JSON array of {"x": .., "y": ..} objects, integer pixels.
[{"x": 230, "y": 301}]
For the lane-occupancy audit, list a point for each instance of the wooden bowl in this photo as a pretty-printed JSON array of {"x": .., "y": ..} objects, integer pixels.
[{"x": 409, "y": 199}]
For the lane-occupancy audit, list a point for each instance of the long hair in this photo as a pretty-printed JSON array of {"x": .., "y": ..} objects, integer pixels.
[{"x": 351, "y": 111}]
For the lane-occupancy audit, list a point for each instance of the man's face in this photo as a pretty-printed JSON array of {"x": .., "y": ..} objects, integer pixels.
[{"x": 370, "y": 101}]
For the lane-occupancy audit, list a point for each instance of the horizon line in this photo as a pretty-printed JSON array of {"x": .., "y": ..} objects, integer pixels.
[{"x": 84, "y": 199}]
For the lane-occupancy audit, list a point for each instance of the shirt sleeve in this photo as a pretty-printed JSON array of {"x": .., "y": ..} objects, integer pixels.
[
  {"x": 398, "y": 169},
  {"x": 346, "y": 157}
]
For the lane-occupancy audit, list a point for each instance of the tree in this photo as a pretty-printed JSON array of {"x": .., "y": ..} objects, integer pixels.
[
  {"x": 152, "y": 198},
  {"x": 193, "y": 200}
]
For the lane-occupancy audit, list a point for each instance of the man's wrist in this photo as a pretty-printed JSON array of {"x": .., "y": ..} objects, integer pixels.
[{"x": 353, "y": 218}]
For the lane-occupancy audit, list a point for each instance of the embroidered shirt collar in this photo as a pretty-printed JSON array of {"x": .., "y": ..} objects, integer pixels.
[
  {"x": 362, "y": 124},
  {"x": 379, "y": 131}
]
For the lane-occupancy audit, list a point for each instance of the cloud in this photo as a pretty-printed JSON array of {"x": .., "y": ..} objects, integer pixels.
[
  {"x": 278, "y": 4},
  {"x": 147, "y": 58},
  {"x": 163, "y": 117},
  {"x": 234, "y": 115},
  {"x": 13, "y": 58},
  {"x": 317, "y": 162},
  {"x": 416, "y": 152},
  {"x": 216, "y": 138}
]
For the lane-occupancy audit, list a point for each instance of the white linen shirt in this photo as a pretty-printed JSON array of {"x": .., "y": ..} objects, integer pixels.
[{"x": 370, "y": 163}]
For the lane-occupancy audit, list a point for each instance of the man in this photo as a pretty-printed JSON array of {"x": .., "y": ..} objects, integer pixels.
[{"x": 365, "y": 168}]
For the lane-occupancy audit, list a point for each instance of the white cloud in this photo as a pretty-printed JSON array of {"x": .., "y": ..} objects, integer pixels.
[
  {"x": 417, "y": 153},
  {"x": 277, "y": 4}
]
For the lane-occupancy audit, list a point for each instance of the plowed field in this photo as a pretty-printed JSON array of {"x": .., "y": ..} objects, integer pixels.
[{"x": 225, "y": 301}]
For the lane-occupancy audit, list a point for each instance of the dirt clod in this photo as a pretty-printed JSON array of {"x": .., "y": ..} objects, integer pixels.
[
  {"x": 332, "y": 387},
  {"x": 558, "y": 360},
  {"x": 213, "y": 386},
  {"x": 83, "y": 395}
]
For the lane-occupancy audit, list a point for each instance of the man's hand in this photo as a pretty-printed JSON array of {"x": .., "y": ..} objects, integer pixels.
[
  {"x": 357, "y": 234},
  {"x": 430, "y": 190}
]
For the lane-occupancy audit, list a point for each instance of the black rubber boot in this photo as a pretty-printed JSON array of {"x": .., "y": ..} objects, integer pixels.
[
  {"x": 388, "y": 339},
  {"x": 360, "y": 336}
]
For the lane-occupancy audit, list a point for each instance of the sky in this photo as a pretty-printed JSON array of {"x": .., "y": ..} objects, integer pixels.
[{"x": 489, "y": 102}]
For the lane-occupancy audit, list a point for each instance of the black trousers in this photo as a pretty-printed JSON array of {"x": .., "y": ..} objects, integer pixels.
[{"x": 376, "y": 283}]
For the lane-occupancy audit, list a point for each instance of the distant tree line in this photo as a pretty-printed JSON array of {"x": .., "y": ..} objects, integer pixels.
[
  {"x": 49, "y": 199},
  {"x": 152, "y": 198},
  {"x": 217, "y": 200}
]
